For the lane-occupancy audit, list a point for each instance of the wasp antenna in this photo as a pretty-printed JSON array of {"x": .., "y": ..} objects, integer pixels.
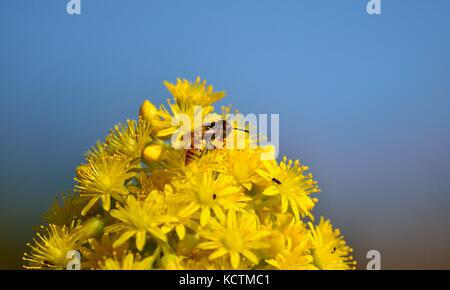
[{"x": 243, "y": 130}]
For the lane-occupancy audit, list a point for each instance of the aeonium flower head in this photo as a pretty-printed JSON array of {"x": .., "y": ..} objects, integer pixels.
[{"x": 143, "y": 202}]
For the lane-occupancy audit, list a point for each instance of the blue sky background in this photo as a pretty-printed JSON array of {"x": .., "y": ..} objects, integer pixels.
[{"x": 364, "y": 100}]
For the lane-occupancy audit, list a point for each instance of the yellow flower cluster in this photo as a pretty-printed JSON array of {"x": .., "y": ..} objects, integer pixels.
[{"x": 139, "y": 203}]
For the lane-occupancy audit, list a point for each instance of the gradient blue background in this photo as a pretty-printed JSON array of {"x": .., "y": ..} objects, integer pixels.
[{"x": 364, "y": 100}]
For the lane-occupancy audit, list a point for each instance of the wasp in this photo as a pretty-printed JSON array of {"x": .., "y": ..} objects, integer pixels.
[{"x": 211, "y": 133}]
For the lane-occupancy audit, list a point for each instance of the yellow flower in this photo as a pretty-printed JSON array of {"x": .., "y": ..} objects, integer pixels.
[
  {"x": 197, "y": 92},
  {"x": 329, "y": 250},
  {"x": 295, "y": 253},
  {"x": 295, "y": 258},
  {"x": 210, "y": 191},
  {"x": 129, "y": 262},
  {"x": 98, "y": 251},
  {"x": 239, "y": 235},
  {"x": 65, "y": 211},
  {"x": 102, "y": 178},
  {"x": 51, "y": 247},
  {"x": 139, "y": 218},
  {"x": 183, "y": 123},
  {"x": 130, "y": 140},
  {"x": 242, "y": 165},
  {"x": 180, "y": 220},
  {"x": 172, "y": 262},
  {"x": 290, "y": 185},
  {"x": 174, "y": 163},
  {"x": 156, "y": 181}
]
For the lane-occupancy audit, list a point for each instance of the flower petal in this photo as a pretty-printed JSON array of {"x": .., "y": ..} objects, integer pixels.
[
  {"x": 181, "y": 231},
  {"x": 89, "y": 206},
  {"x": 205, "y": 215},
  {"x": 250, "y": 256},
  {"x": 140, "y": 240},
  {"x": 123, "y": 238},
  {"x": 218, "y": 253},
  {"x": 235, "y": 260},
  {"x": 271, "y": 190}
]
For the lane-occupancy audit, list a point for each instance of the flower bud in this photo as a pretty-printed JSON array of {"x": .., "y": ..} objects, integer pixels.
[
  {"x": 148, "y": 110},
  {"x": 91, "y": 228},
  {"x": 153, "y": 153}
]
